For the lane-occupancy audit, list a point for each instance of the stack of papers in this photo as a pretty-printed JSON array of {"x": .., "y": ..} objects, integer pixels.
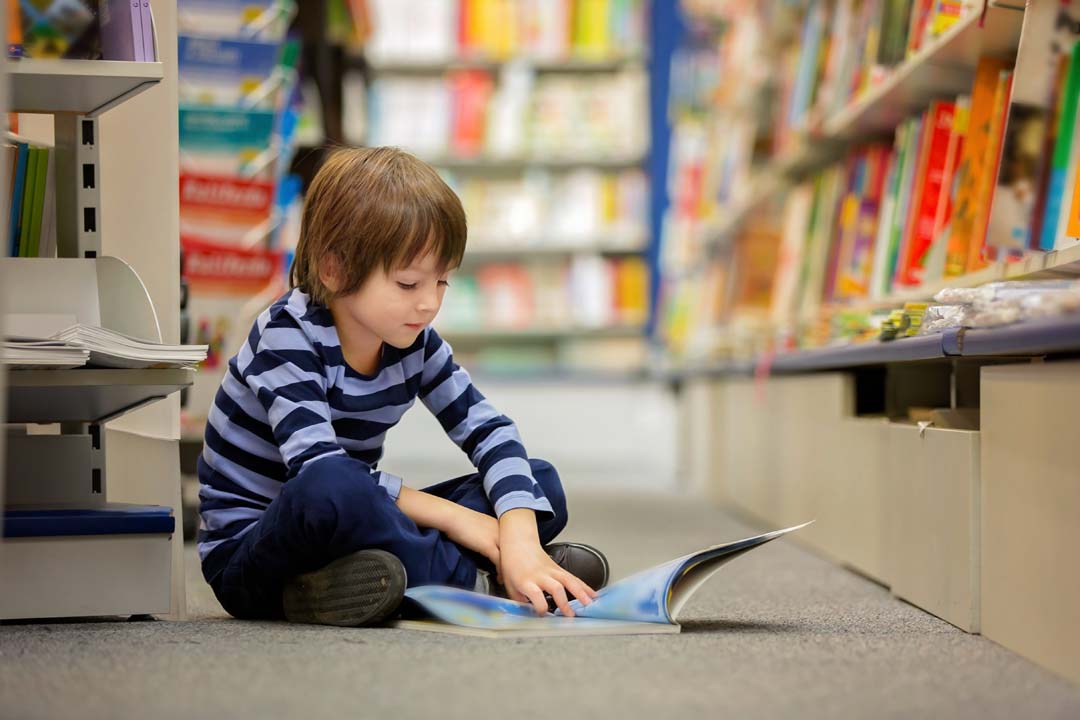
[
  {"x": 34, "y": 354},
  {"x": 80, "y": 345},
  {"x": 116, "y": 350}
]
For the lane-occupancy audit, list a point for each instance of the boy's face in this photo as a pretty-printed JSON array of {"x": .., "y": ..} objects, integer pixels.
[{"x": 394, "y": 307}]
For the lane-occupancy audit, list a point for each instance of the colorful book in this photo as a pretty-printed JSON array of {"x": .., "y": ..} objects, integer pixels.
[
  {"x": 902, "y": 213},
  {"x": 18, "y": 187},
  {"x": 972, "y": 166},
  {"x": 929, "y": 193},
  {"x": 878, "y": 285},
  {"x": 28, "y": 202},
  {"x": 977, "y": 245},
  {"x": 37, "y": 208},
  {"x": 1050, "y": 32},
  {"x": 47, "y": 243},
  {"x": 647, "y": 602},
  {"x": 1062, "y": 151}
]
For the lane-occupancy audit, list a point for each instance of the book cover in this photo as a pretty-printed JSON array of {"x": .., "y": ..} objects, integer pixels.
[
  {"x": 977, "y": 245},
  {"x": 26, "y": 213},
  {"x": 918, "y": 182},
  {"x": 649, "y": 601},
  {"x": 228, "y": 287},
  {"x": 894, "y": 32},
  {"x": 843, "y": 240},
  {"x": 121, "y": 30},
  {"x": 230, "y": 129},
  {"x": 929, "y": 195},
  {"x": 902, "y": 213},
  {"x": 972, "y": 165},
  {"x": 1049, "y": 34},
  {"x": 54, "y": 28},
  {"x": 878, "y": 286},
  {"x": 47, "y": 244},
  {"x": 1072, "y": 227},
  {"x": 225, "y": 209},
  {"x": 1062, "y": 151},
  {"x": 249, "y": 19},
  {"x": 934, "y": 267},
  {"x": 10, "y": 156},
  {"x": 220, "y": 71},
  {"x": 38, "y": 207},
  {"x": 18, "y": 188},
  {"x": 1047, "y": 154},
  {"x": 860, "y": 268},
  {"x": 146, "y": 17}
]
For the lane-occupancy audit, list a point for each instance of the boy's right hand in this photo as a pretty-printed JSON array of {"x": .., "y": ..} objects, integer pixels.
[{"x": 477, "y": 532}]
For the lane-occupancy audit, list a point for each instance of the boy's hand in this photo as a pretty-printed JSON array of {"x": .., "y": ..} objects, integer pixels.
[
  {"x": 477, "y": 532},
  {"x": 528, "y": 572}
]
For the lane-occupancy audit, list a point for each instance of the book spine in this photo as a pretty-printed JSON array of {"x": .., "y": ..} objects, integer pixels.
[
  {"x": 972, "y": 164},
  {"x": 146, "y": 17},
  {"x": 977, "y": 246},
  {"x": 933, "y": 181},
  {"x": 40, "y": 182},
  {"x": 28, "y": 202},
  {"x": 18, "y": 188}
]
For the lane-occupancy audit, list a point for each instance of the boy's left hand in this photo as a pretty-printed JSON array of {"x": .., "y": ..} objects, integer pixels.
[{"x": 528, "y": 572}]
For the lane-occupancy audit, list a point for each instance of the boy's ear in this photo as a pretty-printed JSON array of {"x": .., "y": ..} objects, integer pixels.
[{"x": 330, "y": 273}]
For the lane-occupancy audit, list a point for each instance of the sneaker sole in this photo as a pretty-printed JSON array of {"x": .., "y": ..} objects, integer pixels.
[{"x": 363, "y": 588}]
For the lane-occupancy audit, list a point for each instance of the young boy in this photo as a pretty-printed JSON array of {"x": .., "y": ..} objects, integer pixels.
[{"x": 297, "y": 522}]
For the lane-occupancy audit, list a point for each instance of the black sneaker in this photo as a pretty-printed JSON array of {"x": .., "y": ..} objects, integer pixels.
[
  {"x": 583, "y": 561},
  {"x": 363, "y": 588}
]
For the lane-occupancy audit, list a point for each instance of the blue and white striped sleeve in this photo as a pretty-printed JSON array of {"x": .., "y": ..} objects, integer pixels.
[
  {"x": 280, "y": 366},
  {"x": 489, "y": 438}
]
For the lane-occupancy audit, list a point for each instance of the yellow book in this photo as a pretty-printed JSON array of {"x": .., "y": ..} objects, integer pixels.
[
  {"x": 592, "y": 29},
  {"x": 988, "y": 180}
]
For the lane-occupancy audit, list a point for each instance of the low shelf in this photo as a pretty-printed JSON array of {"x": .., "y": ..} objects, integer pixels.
[
  {"x": 85, "y": 87},
  {"x": 87, "y": 395}
]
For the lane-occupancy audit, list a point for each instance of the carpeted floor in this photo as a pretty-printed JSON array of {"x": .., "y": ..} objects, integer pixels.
[{"x": 778, "y": 633}]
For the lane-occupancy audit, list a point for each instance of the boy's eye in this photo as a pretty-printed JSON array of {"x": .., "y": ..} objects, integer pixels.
[
  {"x": 407, "y": 286},
  {"x": 444, "y": 283}
]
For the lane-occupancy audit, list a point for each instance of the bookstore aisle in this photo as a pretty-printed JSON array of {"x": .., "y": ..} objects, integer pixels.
[
  {"x": 732, "y": 266},
  {"x": 781, "y": 633}
]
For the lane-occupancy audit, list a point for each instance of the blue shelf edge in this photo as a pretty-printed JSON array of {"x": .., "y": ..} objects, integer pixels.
[
  {"x": 108, "y": 520},
  {"x": 1032, "y": 338}
]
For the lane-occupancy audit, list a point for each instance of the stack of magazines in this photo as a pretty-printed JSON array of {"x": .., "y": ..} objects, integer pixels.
[{"x": 80, "y": 345}]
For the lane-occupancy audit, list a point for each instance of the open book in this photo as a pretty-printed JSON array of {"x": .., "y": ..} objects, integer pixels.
[{"x": 646, "y": 602}]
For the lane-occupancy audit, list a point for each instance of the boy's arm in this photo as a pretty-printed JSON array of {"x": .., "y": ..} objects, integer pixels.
[
  {"x": 488, "y": 437},
  {"x": 492, "y": 442}
]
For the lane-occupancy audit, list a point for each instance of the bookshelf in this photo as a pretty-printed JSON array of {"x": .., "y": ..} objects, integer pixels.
[
  {"x": 527, "y": 118},
  {"x": 100, "y": 442},
  {"x": 936, "y": 464}
]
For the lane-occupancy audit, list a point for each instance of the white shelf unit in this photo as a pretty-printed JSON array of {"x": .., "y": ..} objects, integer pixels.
[{"x": 55, "y": 419}]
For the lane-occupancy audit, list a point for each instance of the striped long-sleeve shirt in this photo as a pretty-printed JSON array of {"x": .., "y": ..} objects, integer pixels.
[{"x": 289, "y": 398}]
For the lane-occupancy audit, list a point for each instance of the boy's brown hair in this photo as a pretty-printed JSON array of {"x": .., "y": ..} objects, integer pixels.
[{"x": 372, "y": 207}]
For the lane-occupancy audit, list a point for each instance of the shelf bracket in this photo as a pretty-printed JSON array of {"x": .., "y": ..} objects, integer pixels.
[{"x": 78, "y": 186}]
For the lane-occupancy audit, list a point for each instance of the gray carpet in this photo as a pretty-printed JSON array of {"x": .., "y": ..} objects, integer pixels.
[{"x": 778, "y": 633}]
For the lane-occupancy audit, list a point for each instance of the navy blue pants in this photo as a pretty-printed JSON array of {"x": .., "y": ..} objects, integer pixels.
[{"x": 328, "y": 511}]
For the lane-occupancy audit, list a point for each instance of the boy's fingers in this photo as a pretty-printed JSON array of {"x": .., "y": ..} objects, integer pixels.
[
  {"x": 558, "y": 594},
  {"x": 578, "y": 588},
  {"x": 535, "y": 595}
]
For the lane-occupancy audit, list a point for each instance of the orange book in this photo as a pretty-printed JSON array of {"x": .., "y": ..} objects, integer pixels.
[
  {"x": 971, "y": 167},
  {"x": 1073, "y": 228},
  {"x": 988, "y": 181}
]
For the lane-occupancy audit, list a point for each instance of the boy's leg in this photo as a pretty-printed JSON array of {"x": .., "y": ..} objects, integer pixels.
[
  {"x": 329, "y": 510},
  {"x": 468, "y": 490}
]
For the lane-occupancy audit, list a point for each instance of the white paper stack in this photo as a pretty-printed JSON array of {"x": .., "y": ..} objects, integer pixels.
[
  {"x": 24, "y": 353},
  {"x": 116, "y": 350}
]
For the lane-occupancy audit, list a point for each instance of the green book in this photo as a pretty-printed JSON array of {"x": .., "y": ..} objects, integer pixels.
[
  {"x": 39, "y": 202},
  {"x": 28, "y": 202}
]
